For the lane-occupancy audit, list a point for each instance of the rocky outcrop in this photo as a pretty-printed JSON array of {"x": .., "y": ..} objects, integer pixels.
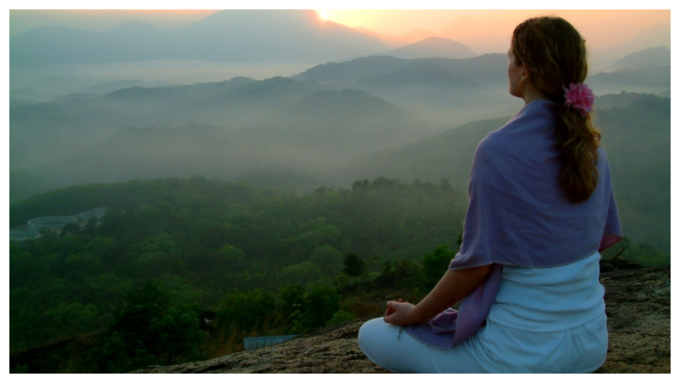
[
  {"x": 639, "y": 320},
  {"x": 638, "y": 308}
]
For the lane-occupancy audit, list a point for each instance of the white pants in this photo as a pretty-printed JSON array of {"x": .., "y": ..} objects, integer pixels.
[
  {"x": 494, "y": 348},
  {"x": 397, "y": 351}
]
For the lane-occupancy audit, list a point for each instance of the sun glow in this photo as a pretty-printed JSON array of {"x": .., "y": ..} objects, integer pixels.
[{"x": 324, "y": 15}]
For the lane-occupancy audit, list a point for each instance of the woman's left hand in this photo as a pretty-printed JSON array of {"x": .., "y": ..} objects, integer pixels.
[{"x": 400, "y": 313}]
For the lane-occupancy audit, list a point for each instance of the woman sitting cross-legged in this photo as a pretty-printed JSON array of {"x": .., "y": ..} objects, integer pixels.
[{"x": 541, "y": 209}]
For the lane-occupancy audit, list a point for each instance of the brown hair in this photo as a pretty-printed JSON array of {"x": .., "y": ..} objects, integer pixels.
[{"x": 555, "y": 56}]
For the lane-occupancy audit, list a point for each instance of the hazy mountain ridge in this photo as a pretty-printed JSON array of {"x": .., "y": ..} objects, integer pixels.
[
  {"x": 653, "y": 36},
  {"x": 425, "y": 83},
  {"x": 637, "y": 139},
  {"x": 44, "y": 132},
  {"x": 298, "y": 125},
  {"x": 288, "y": 35},
  {"x": 445, "y": 91},
  {"x": 622, "y": 99},
  {"x": 479, "y": 67},
  {"x": 179, "y": 93},
  {"x": 650, "y": 57},
  {"x": 658, "y": 77},
  {"x": 640, "y": 172},
  {"x": 314, "y": 124},
  {"x": 433, "y": 47}
]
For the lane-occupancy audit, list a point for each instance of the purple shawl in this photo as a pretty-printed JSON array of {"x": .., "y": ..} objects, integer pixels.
[{"x": 519, "y": 216}]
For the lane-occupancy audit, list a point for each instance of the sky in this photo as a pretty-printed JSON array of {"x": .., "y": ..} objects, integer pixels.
[
  {"x": 601, "y": 27},
  {"x": 402, "y": 21}
]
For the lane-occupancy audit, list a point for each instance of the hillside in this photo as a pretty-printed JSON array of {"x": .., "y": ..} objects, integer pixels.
[
  {"x": 206, "y": 243},
  {"x": 442, "y": 90},
  {"x": 277, "y": 121},
  {"x": 638, "y": 311},
  {"x": 651, "y": 57},
  {"x": 42, "y": 133},
  {"x": 480, "y": 68},
  {"x": 646, "y": 79},
  {"x": 640, "y": 171},
  {"x": 433, "y": 47}
]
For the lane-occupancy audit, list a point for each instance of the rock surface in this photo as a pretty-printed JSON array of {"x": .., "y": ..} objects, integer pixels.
[{"x": 638, "y": 310}]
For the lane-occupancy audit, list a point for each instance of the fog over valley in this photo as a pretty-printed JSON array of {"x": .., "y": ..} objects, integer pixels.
[{"x": 329, "y": 123}]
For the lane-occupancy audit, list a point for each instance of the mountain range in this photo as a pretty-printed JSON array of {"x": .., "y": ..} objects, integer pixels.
[
  {"x": 650, "y": 57},
  {"x": 249, "y": 123},
  {"x": 443, "y": 92},
  {"x": 333, "y": 138},
  {"x": 433, "y": 47},
  {"x": 456, "y": 89},
  {"x": 319, "y": 126},
  {"x": 236, "y": 35},
  {"x": 635, "y": 135}
]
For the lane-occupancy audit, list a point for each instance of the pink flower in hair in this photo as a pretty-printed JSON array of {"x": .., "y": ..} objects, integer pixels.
[{"x": 579, "y": 97}]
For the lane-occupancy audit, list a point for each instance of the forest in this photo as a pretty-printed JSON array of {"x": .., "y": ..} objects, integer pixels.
[{"x": 184, "y": 269}]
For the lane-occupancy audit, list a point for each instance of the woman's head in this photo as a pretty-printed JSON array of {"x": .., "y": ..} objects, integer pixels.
[
  {"x": 550, "y": 55},
  {"x": 553, "y": 53}
]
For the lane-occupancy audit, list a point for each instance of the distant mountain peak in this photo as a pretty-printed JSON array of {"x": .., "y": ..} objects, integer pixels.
[
  {"x": 650, "y": 57},
  {"x": 415, "y": 35},
  {"x": 433, "y": 47},
  {"x": 233, "y": 35},
  {"x": 132, "y": 27}
]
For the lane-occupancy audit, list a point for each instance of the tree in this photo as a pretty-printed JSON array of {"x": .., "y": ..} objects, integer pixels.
[
  {"x": 91, "y": 226},
  {"x": 339, "y": 317},
  {"x": 140, "y": 308},
  {"x": 435, "y": 265},
  {"x": 292, "y": 299},
  {"x": 233, "y": 258},
  {"x": 402, "y": 274},
  {"x": 70, "y": 229},
  {"x": 119, "y": 355},
  {"x": 131, "y": 344},
  {"x": 328, "y": 259},
  {"x": 72, "y": 319},
  {"x": 320, "y": 306},
  {"x": 246, "y": 309},
  {"x": 360, "y": 185},
  {"x": 354, "y": 266},
  {"x": 444, "y": 184},
  {"x": 303, "y": 273},
  {"x": 178, "y": 333}
]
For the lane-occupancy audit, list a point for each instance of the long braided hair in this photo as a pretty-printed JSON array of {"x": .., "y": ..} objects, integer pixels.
[{"x": 555, "y": 56}]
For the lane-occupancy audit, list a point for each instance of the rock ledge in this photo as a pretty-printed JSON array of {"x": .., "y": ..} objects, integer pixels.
[{"x": 638, "y": 311}]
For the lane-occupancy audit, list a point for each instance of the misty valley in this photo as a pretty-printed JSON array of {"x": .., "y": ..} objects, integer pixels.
[{"x": 304, "y": 200}]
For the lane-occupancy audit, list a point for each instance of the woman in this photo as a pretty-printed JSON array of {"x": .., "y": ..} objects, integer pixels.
[{"x": 541, "y": 208}]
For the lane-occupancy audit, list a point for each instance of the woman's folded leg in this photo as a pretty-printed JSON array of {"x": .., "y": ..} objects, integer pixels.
[{"x": 396, "y": 351}]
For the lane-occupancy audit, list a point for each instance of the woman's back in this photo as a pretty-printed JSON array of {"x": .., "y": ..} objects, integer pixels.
[
  {"x": 545, "y": 320},
  {"x": 549, "y": 299}
]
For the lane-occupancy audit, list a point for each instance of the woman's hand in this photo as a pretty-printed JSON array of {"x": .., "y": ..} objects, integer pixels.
[
  {"x": 390, "y": 310},
  {"x": 399, "y": 313},
  {"x": 453, "y": 287}
]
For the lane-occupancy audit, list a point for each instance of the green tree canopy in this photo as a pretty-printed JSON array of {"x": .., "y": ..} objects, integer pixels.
[
  {"x": 353, "y": 265},
  {"x": 435, "y": 264},
  {"x": 320, "y": 306},
  {"x": 327, "y": 259}
]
